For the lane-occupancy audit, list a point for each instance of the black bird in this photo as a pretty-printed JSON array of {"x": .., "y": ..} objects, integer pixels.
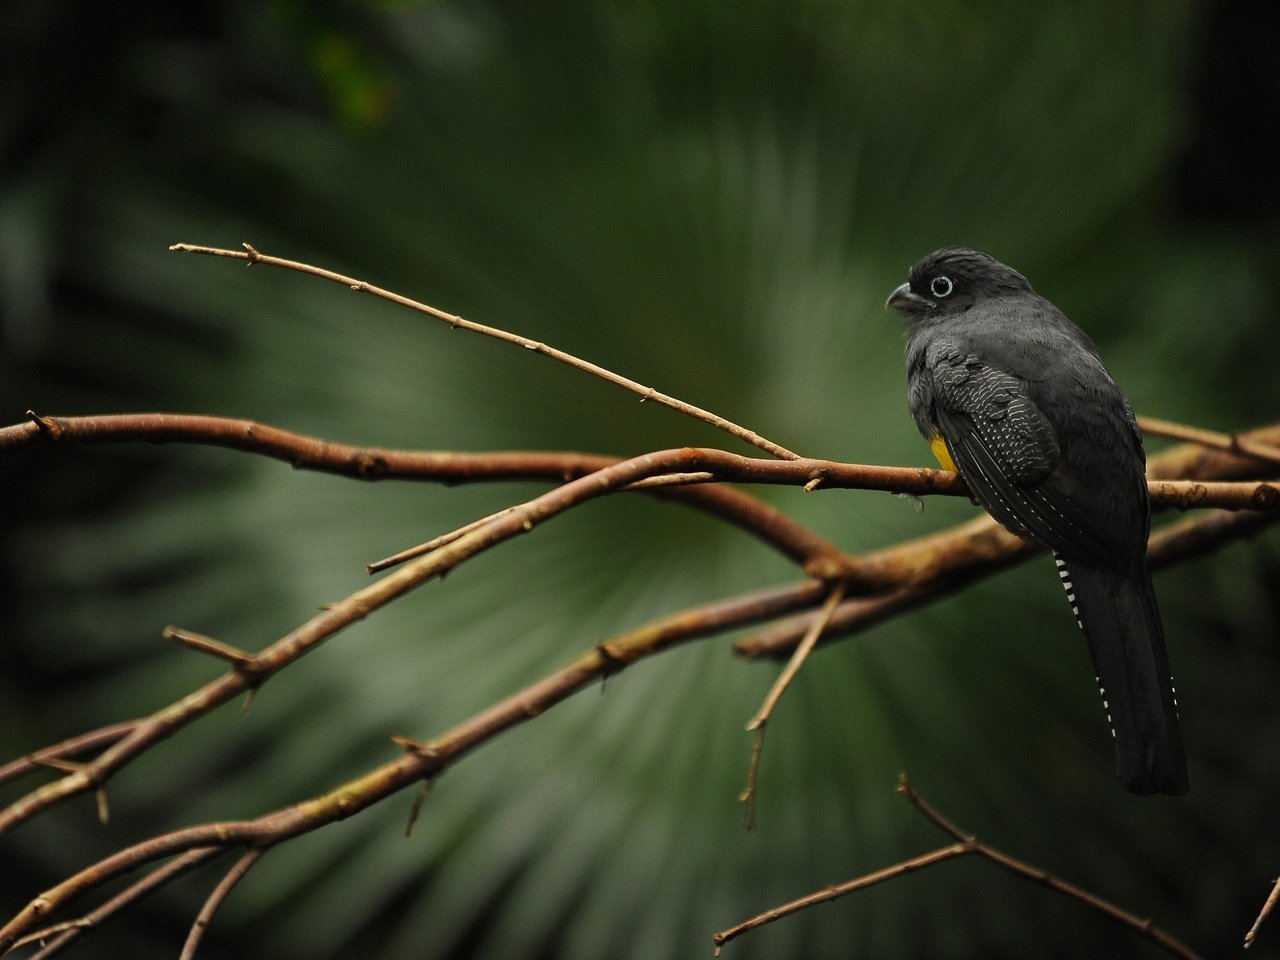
[{"x": 1012, "y": 395}]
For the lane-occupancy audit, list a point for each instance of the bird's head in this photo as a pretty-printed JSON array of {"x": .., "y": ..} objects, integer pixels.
[{"x": 951, "y": 281}]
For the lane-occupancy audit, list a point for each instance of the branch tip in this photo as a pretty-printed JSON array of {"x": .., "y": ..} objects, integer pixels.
[
  {"x": 207, "y": 645},
  {"x": 416, "y": 807},
  {"x": 1267, "y": 907},
  {"x": 104, "y": 812}
]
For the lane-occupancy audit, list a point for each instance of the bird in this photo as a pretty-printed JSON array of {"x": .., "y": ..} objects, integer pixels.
[{"x": 1014, "y": 397}]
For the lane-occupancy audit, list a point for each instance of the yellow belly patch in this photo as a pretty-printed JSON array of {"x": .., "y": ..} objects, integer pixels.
[{"x": 939, "y": 448}]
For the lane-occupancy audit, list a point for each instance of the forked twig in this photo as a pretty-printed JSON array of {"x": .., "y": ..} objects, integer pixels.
[
  {"x": 966, "y": 844},
  {"x": 64, "y": 934}
]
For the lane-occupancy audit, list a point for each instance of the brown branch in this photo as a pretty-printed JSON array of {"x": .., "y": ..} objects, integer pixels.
[
  {"x": 219, "y": 894},
  {"x": 252, "y": 256},
  {"x": 966, "y": 844},
  {"x": 435, "y": 543},
  {"x": 835, "y": 891},
  {"x": 207, "y": 645},
  {"x": 1143, "y": 927},
  {"x": 340, "y": 615},
  {"x": 67, "y": 932},
  {"x": 72, "y": 747},
  {"x": 372, "y": 463},
  {"x": 1267, "y": 907},
  {"x": 942, "y": 564},
  {"x": 1226, "y": 442},
  {"x": 930, "y": 567},
  {"x": 435, "y": 755},
  {"x": 429, "y": 758},
  {"x": 748, "y": 513}
]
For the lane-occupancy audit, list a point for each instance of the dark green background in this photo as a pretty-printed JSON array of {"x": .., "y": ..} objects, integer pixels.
[{"x": 714, "y": 199}]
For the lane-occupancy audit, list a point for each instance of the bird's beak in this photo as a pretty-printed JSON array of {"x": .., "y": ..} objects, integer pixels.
[{"x": 906, "y": 300}]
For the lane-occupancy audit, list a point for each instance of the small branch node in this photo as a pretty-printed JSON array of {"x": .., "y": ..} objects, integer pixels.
[
  {"x": 612, "y": 663},
  {"x": 254, "y": 255},
  {"x": 419, "y": 748},
  {"x": 45, "y": 425}
]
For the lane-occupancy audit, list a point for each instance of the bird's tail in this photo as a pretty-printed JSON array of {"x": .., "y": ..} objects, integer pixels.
[{"x": 1118, "y": 614}]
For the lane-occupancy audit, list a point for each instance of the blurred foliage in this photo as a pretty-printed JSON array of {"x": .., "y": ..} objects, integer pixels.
[{"x": 711, "y": 198}]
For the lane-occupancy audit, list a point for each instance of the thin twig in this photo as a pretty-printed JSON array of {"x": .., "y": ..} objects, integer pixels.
[
  {"x": 758, "y": 723},
  {"x": 354, "y": 608},
  {"x": 219, "y": 894},
  {"x": 1139, "y": 925},
  {"x": 209, "y": 646},
  {"x": 645, "y": 393},
  {"x": 965, "y": 844},
  {"x": 157, "y": 878},
  {"x": 416, "y": 807},
  {"x": 667, "y": 480},
  {"x": 434, "y": 544},
  {"x": 434, "y": 756},
  {"x": 375, "y": 463},
  {"x": 835, "y": 891},
  {"x": 71, "y": 747},
  {"x": 1226, "y": 442},
  {"x": 1263, "y": 914}
]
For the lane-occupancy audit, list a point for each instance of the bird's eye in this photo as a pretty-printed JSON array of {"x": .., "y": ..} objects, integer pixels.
[{"x": 941, "y": 287}]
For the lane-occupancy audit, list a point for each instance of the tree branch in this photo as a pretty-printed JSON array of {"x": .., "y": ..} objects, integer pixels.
[
  {"x": 421, "y": 760},
  {"x": 760, "y": 721},
  {"x": 1243, "y": 445},
  {"x": 1267, "y": 907},
  {"x": 219, "y": 894},
  {"x": 912, "y": 572},
  {"x": 966, "y": 844},
  {"x": 252, "y": 256},
  {"x": 64, "y": 934}
]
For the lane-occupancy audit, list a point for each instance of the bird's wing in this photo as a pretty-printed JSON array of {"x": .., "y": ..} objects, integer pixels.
[{"x": 1008, "y": 452}]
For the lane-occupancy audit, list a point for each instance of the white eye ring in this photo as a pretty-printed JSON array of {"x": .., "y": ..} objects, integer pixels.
[{"x": 941, "y": 287}]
